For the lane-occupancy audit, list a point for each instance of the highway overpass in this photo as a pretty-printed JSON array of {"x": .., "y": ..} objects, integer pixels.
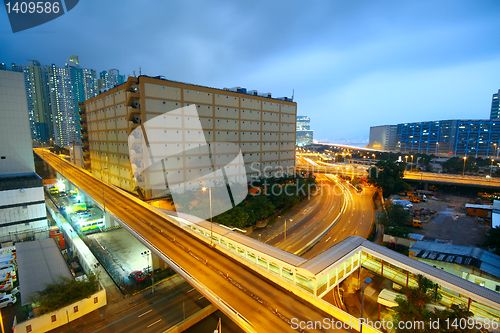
[{"x": 244, "y": 283}]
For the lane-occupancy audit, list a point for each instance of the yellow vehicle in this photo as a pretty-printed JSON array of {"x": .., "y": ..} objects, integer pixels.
[
  {"x": 414, "y": 199},
  {"x": 415, "y": 223}
]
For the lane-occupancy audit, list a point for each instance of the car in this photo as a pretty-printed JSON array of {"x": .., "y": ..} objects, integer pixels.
[
  {"x": 138, "y": 276},
  {"x": 7, "y": 300}
]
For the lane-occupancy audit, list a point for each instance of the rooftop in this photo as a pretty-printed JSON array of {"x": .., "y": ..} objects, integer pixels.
[
  {"x": 39, "y": 264},
  {"x": 461, "y": 255},
  {"x": 20, "y": 182}
]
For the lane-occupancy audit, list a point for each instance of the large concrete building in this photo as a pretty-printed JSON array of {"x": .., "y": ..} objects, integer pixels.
[
  {"x": 262, "y": 127},
  {"x": 383, "y": 137},
  {"x": 22, "y": 204}
]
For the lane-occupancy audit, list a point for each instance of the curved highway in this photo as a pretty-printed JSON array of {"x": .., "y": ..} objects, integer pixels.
[
  {"x": 356, "y": 220},
  {"x": 315, "y": 222}
]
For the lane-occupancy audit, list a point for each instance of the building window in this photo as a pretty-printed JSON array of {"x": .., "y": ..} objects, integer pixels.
[
  {"x": 53, "y": 318},
  {"x": 75, "y": 309},
  {"x": 96, "y": 300},
  {"x": 497, "y": 288},
  {"x": 28, "y": 328}
]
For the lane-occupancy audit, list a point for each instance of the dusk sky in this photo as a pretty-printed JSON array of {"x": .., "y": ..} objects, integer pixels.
[{"x": 352, "y": 64}]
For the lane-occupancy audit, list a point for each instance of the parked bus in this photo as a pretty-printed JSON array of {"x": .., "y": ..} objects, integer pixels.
[{"x": 91, "y": 225}]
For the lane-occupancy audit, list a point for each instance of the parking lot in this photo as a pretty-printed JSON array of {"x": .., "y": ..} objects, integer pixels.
[
  {"x": 451, "y": 223},
  {"x": 125, "y": 251}
]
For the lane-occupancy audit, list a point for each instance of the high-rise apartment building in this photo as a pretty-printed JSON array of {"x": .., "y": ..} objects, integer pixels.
[
  {"x": 22, "y": 204},
  {"x": 109, "y": 79},
  {"x": 84, "y": 83},
  {"x": 495, "y": 114},
  {"x": 63, "y": 106},
  {"x": 262, "y": 127}
]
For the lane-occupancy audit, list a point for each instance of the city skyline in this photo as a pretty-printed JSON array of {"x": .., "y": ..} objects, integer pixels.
[{"x": 386, "y": 63}]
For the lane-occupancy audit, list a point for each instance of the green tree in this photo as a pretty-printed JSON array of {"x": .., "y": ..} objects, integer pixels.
[
  {"x": 412, "y": 306},
  {"x": 261, "y": 207},
  {"x": 65, "y": 291},
  {"x": 388, "y": 176},
  {"x": 394, "y": 216}
]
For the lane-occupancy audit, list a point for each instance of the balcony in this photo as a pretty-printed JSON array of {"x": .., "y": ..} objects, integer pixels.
[
  {"x": 131, "y": 97},
  {"x": 131, "y": 112},
  {"x": 132, "y": 127}
]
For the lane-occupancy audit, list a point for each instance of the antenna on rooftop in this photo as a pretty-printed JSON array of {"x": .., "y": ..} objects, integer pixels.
[
  {"x": 293, "y": 93},
  {"x": 134, "y": 73},
  {"x": 140, "y": 72}
]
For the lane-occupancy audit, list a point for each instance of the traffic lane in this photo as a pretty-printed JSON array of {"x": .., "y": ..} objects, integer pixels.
[
  {"x": 243, "y": 302},
  {"x": 356, "y": 220},
  {"x": 165, "y": 309},
  {"x": 317, "y": 226},
  {"x": 303, "y": 229}
]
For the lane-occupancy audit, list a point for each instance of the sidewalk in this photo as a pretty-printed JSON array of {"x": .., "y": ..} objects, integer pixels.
[
  {"x": 118, "y": 303},
  {"x": 278, "y": 227}
]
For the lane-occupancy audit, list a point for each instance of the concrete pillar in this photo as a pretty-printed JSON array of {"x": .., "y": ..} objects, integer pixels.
[
  {"x": 157, "y": 262},
  {"x": 108, "y": 221},
  {"x": 426, "y": 186}
]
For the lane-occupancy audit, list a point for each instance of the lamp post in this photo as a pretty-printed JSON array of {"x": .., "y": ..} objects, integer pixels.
[
  {"x": 210, "y": 203},
  {"x": 411, "y": 169},
  {"x": 406, "y": 160},
  {"x": 102, "y": 183},
  {"x": 285, "y": 228},
  {"x": 491, "y": 167},
  {"x": 465, "y": 159},
  {"x": 367, "y": 281},
  {"x": 437, "y": 147},
  {"x": 146, "y": 254}
]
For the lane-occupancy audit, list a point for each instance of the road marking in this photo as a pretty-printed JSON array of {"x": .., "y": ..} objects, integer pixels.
[
  {"x": 156, "y": 322},
  {"x": 288, "y": 247},
  {"x": 201, "y": 297},
  {"x": 190, "y": 290},
  {"x": 328, "y": 239},
  {"x": 139, "y": 316}
]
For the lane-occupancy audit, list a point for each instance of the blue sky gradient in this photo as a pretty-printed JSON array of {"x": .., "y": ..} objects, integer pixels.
[{"x": 352, "y": 64}]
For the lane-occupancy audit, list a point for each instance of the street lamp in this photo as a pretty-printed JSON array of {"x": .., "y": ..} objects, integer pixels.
[
  {"x": 367, "y": 281},
  {"x": 491, "y": 167},
  {"x": 411, "y": 169},
  {"x": 146, "y": 254},
  {"x": 102, "y": 183},
  {"x": 210, "y": 203},
  {"x": 285, "y": 228},
  {"x": 437, "y": 147},
  {"x": 465, "y": 159}
]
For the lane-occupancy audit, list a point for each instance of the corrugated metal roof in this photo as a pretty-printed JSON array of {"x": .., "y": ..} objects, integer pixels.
[
  {"x": 39, "y": 263},
  {"x": 447, "y": 280},
  {"x": 478, "y": 206},
  {"x": 320, "y": 262}
]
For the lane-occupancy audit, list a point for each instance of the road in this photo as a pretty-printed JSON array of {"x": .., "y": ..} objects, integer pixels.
[
  {"x": 453, "y": 179},
  {"x": 157, "y": 315},
  {"x": 249, "y": 294},
  {"x": 356, "y": 220},
  {"x": 313, "y": 222}
]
